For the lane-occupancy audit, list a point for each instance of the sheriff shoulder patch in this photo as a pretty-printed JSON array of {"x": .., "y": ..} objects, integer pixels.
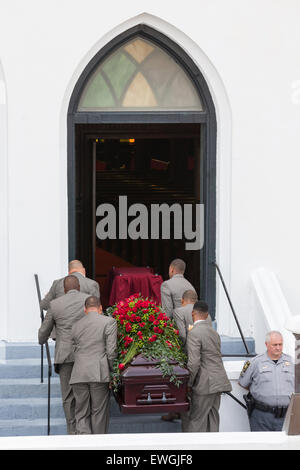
[{"x": 246, "y": 365}]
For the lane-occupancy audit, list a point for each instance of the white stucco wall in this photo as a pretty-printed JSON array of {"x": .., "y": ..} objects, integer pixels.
[{"x": 248, "y": 51}]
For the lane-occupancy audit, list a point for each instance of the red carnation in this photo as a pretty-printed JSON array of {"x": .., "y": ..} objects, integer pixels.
[
  {"x": 128, "y": 327},
  {"x": 156, "y": 322},
  {"x": 157, "y": 330},
  {"x": 140, "y": 334},
  {"x": 153, "y": 338},
  {"x": 121, "y": 366},
  {"x": 151, "y": 318}
]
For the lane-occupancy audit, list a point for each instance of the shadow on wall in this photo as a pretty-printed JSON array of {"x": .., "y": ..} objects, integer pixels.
[{"x": 270, "y": 310}]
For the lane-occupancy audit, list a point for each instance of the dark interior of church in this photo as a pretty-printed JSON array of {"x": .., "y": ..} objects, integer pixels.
[{"x": 150, "y": 164}]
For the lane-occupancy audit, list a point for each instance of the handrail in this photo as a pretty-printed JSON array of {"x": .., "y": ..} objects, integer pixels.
[
  {"x": 42, "y": 356},
  {"x": 232, "y": 309},
  {"x": 236, "y": 399}
]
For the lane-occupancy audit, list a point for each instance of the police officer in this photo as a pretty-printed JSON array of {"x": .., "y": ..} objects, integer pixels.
[{"x": 269, "y": 377}]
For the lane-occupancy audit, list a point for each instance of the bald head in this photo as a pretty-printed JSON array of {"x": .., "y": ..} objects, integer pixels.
[
  {"x": 92, "y": 304},
  {"x": 71, "y": 283},
  {"x": 76, "y": 266}
]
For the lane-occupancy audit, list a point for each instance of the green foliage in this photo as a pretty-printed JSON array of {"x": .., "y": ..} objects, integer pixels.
[{"x": 144, "y": 329}]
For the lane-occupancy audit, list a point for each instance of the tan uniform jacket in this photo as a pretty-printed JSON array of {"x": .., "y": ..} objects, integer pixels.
[
  {"x": 172, "y": 291},
  {"x": 88, "y": 286},
  {"x": 183, "y": 319},
  {"x": 63, "y": 313},
  {"x": 205, "y": 365},
  {"x": 95, "y": 348}
]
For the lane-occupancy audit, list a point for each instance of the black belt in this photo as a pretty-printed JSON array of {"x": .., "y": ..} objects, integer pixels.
[{"x": 278, "y": 411}]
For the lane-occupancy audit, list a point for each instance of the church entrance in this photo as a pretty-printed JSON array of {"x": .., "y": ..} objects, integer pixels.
[
  {"x": 141, "y": 127},
  {"x": 151, "y": 165}
]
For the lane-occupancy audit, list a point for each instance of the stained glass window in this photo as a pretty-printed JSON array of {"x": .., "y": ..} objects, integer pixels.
[{"x": 139, "y": 76}]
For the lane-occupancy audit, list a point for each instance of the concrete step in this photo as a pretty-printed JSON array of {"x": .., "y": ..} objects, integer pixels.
[
  {"x": 18, "y": 408},
  {"x": 23, "y": 368},
  {"x": 130, "y": 424},
  {"x": 28, "y": 387},
  {"x": 35, "y": 427},
  {"x": 18, "y": 351},
  {"x": 231, "y": 345},
  {"x": 10, "y": 350},
  {"x": 28, "y": 408}
]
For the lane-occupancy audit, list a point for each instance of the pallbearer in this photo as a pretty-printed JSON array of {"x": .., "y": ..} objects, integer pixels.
[
  {"x": 173, "y": 289},
  {"x": 95, "y": 348},
  {"x": 208, "y": 377},
  {"x": 75, "y": 268},
  {"x": 62, "y": 314}
]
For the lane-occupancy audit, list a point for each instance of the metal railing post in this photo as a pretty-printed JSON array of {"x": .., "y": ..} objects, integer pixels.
[
  {"x": 42, "y": 319},
  {"x": 231, "y": 306},
  {"x": 236, "y": 399},
  {"x": 42, "y": 356}
]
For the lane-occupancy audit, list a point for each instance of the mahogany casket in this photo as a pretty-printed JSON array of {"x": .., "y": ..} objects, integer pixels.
[{"x": 145, "y": 390}]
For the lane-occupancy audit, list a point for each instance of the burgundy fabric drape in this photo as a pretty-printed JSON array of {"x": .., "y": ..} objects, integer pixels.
[{"x": 128, "y": 281}]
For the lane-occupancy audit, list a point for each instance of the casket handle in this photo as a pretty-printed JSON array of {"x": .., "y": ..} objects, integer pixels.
[{"x": 150, "y": 400}]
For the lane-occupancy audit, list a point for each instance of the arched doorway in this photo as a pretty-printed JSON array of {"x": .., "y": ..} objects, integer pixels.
[{"x": 142, "y": 114}]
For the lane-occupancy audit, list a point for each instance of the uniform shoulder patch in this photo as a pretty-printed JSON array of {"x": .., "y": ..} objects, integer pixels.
[{"x": 246, "y": 365}]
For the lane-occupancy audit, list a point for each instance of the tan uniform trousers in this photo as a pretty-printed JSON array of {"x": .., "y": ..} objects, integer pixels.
[
  {"x": 65, "y": 371},
  {"x": 92, "y": 407},
  {"x": 203, "y": 415}
]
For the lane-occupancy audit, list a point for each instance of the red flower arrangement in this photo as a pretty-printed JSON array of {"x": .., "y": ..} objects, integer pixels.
[{"x": 143, "y": 328}]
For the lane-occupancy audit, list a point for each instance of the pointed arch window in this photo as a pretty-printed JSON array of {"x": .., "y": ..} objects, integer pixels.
[{"x": 139, "y": 76}]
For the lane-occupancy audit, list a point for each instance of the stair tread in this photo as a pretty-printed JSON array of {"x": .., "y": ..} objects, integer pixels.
[
  {"x": 30, "y": 401},
  {"x": 24, "y": 361},
  {"x": 31, "y": 422},
  {"x": 28, "y": 381}
]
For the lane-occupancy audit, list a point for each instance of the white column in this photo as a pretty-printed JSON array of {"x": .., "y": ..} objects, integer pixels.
[{"x": 3, "y": 210}]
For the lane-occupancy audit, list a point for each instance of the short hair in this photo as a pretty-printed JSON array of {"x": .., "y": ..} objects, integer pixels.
[
  {"x": 71, "y": 282},
  {"x": 75, "y": 264},
  {"x": 179, "y": 265},
  {"x": 92, "y": 301},
  {"x": 190, "y": 295},
  {"x": 270, "y": 333},
  {"x": 201, "y": 307}
]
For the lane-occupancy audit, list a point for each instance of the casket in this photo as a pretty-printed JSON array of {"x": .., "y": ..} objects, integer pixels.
[{"x": 145, "y": 390}]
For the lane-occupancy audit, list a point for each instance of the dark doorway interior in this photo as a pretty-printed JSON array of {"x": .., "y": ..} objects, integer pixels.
[{"x": 150, "y": 164}]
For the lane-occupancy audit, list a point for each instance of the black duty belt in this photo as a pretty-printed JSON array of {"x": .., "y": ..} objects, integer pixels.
[{"x": 278, "y": 411}]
